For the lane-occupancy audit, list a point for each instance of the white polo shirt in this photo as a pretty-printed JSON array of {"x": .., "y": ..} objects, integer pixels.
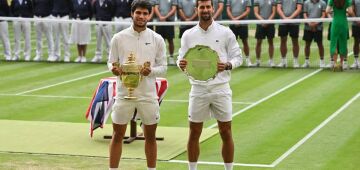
[
  {"x": 147, "y": 46},
  {"x": 219, "y": 38}
]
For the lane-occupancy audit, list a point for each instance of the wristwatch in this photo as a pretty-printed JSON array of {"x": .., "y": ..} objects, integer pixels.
[{"x": 228, "y": 66}]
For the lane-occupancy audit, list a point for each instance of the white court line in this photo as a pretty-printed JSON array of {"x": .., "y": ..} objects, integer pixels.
[
  {"x": 80, "y": 97},
  {"x": 308, "y": 136},
  {"x": 46, "y": 96},
  {"x": 270, "y": 96},
  {"x": 64, "y": 82},
  {"x": 222, "y": 163},
  {"x": 187, "y": 101}
]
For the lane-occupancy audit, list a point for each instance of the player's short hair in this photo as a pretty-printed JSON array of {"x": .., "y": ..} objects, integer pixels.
[{"x": 141, "y": 4}]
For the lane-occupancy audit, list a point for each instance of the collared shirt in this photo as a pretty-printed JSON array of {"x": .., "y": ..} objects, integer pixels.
[
  {"x": 314, "y": 9},
  {"x": 187, "y": 6},
  {"x": 165, "y": 7},
  {"x": 146, "y": 46},
  {"x": 216, "y": 7},
  {"x": 219, "y": 38},
  {"x": 289, "y": 6},
  {"x": 238, "y": 7},
  {"x": 265, "y": 7}
]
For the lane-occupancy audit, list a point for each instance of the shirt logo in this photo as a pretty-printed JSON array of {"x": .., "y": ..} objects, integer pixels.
[
  {"x": 217, "y": 41},
  {"x": 147, "y": 43}
]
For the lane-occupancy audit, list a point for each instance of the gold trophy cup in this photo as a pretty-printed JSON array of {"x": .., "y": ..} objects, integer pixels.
[{"x": 131, "y": 76}]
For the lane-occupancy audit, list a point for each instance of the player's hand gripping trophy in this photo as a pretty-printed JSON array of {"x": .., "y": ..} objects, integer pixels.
[{"x": 131, "y": 74}]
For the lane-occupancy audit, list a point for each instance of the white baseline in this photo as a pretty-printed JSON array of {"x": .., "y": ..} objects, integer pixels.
[{"x": 64, "y": 82}]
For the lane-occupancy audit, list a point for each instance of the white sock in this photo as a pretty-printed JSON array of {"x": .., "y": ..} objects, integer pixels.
[
  {"x": 113, "y": 168},
  {"x": 151, "y": 168},
  {"x": 192, "y": 165},
  {"x": 258, "y": 61},
  {"x": 228, "y": 166}
]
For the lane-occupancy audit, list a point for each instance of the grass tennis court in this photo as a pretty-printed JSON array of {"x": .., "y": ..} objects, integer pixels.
[{"x": 283, "y": 118}]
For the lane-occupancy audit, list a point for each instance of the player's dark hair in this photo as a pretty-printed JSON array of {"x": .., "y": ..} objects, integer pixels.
[{"x": 141, "y": 4}]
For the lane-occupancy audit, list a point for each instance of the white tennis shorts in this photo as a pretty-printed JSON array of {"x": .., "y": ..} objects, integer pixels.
[
  {"x": 206, "y": 102},
  {"x": 147, "y": 111}
]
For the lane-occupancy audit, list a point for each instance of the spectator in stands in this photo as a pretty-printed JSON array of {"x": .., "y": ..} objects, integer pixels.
[
  {"x": 42, "y": 10},
  {"x": 122, "y": 14},
  {"x": 239, "y": 10},
  {"x": 289, "y": 9},
  {"x": 356, "y": 34},
  {"x": 218, "y": 9},
  {"x": 22, "y": 9},
  {"x": 61, "y": 10},
  {"x": 339, "y": 29},
  {"x": 186, "y": 12},
  {"x": 165, "y": 11},
  {"x": 213, "y": 98},
  {"x": 147, "y": 46},
  {"x": 104, "y": 11},
  {"x": 264, "y": 10},
  {"x": 4, "y": 32},
  {"x": 81, "y": 32},
  {"x": 314, "y": 30}
]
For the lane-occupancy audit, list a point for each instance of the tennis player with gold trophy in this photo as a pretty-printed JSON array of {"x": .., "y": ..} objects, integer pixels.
[{"x": 136, "y": 81}]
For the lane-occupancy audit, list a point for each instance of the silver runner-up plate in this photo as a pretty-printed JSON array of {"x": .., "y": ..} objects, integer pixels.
[{"x": 201, "y": 63}]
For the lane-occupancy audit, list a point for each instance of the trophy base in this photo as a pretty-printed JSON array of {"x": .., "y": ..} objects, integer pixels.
[{"x": 130, "y": 98}]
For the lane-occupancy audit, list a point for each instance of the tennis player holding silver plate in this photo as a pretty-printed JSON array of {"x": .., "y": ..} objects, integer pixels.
[{"x": 210, "y": 98}]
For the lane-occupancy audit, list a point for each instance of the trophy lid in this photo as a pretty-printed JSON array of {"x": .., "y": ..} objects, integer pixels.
[{"x": 131, "y": 58}]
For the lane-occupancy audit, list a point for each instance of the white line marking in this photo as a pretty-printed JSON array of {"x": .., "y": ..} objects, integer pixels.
[
  {"x": 308, "y": 136},
  {"x": 47, "y": 96},
  {"x": 222, "y": 163},
  {"x": 82, "y": 97},
  {"x": 187, "y": 101},
  {"x": 45, "y": 87},
  {"x": 271, "y": 95}
]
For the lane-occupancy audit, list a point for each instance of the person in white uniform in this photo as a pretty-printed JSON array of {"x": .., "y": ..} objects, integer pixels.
[
  {"x": 42, "y": 10},
  {"x": 61, "y": 11},
  {"x": 4, "y": 32},
  {"x": 147, "y": 46},
  {"x": 122, "y": 14},
  {"x": 104, "y": 11},
  {"x": 81, "y": 32},
  {"x": 214, "y": 97},
  {"x": 22, "y": 9}
]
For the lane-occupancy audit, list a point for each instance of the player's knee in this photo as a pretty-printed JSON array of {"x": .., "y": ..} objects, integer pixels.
[{"x": 117, "y": 137}]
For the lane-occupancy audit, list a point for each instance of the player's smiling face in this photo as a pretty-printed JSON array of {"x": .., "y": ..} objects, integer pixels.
[
  {"x": 140, "y": 17},
  {"x": 205, "y": 10}
]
